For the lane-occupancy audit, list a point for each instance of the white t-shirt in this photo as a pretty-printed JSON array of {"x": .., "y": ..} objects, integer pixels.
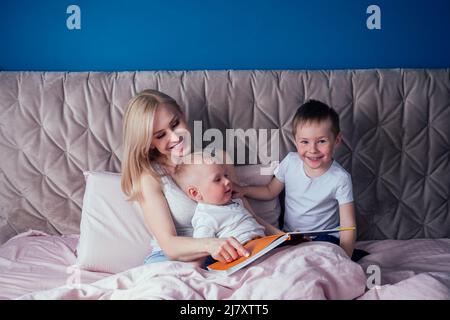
[
  {"x": 313, "y": 203},
  {"x": 181, "y": 207},
  {"x": 231, "y": 220}
]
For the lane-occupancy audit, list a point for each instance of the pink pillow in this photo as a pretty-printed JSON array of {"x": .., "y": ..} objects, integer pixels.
[{"x": 113, "y": 235}]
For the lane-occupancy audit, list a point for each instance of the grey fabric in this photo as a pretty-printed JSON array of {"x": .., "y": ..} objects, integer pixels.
[{"x": 395, "y": 123}]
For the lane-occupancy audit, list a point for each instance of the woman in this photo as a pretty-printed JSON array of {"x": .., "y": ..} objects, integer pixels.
[{"x": 153, "y": 139}]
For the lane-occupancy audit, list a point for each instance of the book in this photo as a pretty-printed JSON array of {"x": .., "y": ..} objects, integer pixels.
[{"x": 260, "y": 246}]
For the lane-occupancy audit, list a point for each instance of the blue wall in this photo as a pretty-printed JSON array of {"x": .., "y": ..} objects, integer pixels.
[{"x": 223, "y": 34}]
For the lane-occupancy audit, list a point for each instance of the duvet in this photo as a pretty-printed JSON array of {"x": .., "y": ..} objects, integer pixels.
[{"x": 34, "y": 265}]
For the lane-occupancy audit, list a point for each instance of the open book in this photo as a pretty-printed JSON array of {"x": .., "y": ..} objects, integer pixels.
[{"x": 261, "y": 246}]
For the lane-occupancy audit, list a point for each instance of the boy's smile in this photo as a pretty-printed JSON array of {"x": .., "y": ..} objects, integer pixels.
[{"x": 315, "y": 144}]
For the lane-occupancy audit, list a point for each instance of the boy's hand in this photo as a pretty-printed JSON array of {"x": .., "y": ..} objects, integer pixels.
[
  {"x": 237, "y": 191},
  {"x": 306, "y": 237}
]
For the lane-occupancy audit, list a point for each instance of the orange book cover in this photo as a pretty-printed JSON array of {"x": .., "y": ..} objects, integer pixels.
[
  {"x": 253, "y": 246},
  {"x": 260, "y": 246}
]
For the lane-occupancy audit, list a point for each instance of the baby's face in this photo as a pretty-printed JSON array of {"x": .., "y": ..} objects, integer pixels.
[
  {"x": 315, "y": 144},
  {"x": 213, "y": 185}
]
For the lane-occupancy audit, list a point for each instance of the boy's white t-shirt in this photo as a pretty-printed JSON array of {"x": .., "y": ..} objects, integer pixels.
[
  {"x": 313, "y": 203},
  {"x": 222, "y": 221}
]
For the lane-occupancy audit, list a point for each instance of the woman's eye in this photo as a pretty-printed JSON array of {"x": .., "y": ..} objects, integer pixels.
[
  {"x": 176, "y": 123},
  {"x": 160, "y": 136},
  {"x": 304, "y": 142},
  {"x": 322, "y": 141}
]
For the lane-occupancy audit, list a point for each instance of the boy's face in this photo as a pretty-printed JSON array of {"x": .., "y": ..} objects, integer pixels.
[
  {"x": 213, "y": 185},
  {"x": 315, "y": 144}
]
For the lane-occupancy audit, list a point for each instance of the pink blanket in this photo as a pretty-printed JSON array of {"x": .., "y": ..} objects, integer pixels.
[
  {"x": 34, "y": 261},
  {"x": 34, "y": 265},
  {"x": 307, "y": 271},
  {"x": 409, "y": 269}
]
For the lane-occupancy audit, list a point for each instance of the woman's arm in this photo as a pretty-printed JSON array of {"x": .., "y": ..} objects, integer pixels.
[
  {"x": 159, "y": 220},
  {"x": 347, "y": 219}
]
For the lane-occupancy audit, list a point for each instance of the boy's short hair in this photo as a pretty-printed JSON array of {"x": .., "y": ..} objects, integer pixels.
[{"x": 316, "y": 111}]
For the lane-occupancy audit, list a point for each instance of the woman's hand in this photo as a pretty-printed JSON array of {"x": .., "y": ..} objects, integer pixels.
[{"x": 227, "y": 249}]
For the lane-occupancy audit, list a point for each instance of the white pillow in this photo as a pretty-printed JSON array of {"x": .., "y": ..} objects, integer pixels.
[
  {"x": 113, "y": 235},
  {"x": 251, "y": 175}
]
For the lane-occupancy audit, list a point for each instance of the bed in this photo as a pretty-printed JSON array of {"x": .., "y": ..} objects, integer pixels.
[{"x": 55, "y": 126}]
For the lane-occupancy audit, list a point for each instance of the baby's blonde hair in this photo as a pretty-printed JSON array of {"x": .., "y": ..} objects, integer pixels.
[
  {"x": 137, "y": 138},
  {"x": 185, "y": 170}
]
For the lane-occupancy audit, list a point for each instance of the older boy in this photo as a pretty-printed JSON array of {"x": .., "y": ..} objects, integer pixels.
[{"x": 318, "y": 190}]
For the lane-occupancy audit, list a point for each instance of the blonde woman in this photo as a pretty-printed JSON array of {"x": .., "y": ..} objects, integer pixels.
[{"x": 153, "y": 139}]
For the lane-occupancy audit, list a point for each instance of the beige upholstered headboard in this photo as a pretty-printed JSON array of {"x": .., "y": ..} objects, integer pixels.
[{"x": 396, "y": 126}]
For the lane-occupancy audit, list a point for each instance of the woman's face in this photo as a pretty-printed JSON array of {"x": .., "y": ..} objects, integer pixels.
[{"x": 171, "y": 135}]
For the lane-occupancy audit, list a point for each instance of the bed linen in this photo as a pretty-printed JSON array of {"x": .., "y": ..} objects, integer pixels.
[
  {"x": 409, "y": 269},
  {"x": 34, "y": 265},
  {"x": 307, "y": 271},
  {"x": 34, "y": 261}
]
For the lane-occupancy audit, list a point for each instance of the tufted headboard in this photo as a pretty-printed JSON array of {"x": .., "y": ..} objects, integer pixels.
[{"x": 396, "y": 126}]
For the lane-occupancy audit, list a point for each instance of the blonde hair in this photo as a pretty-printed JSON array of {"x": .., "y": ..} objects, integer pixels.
[
  {"x": 137, "y": 138},
  {"x": 190, "y": 162}
]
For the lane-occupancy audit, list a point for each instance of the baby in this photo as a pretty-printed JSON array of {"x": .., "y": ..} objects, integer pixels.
[{"x": 217, "y": 214}]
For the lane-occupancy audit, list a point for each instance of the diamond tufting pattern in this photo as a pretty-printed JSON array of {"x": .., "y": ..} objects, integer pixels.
[{"x": 396, "y": 126}]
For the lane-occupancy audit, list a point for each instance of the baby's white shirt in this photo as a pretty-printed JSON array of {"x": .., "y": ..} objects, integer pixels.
[
  {"x": 313, "y": 203},
  {"x": 222, "y": 221}
]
